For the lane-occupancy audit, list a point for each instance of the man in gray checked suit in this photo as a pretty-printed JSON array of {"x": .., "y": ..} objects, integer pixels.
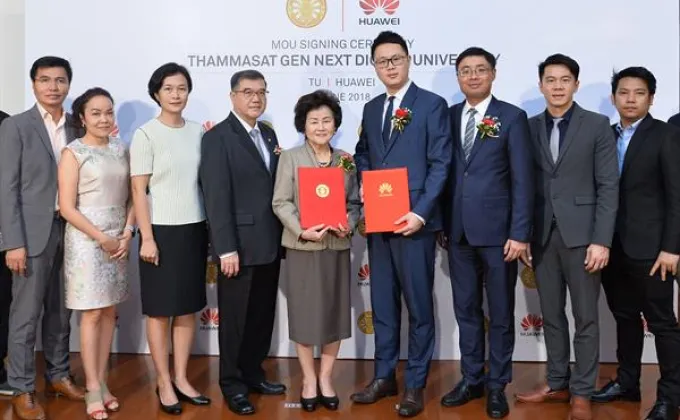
[
  {"x": 576, "y": 203},
  {"x": 32, "y": 231}
]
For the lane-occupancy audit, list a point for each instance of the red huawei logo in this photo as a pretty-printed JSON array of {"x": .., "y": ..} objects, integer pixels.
[
  {"x": 388, "y": 6},
  {"x": 364, "y": 272},
  {"x": 210, "y": 318},
  {"x": 208, "y": 125},
  {"x": 532, "y": 321}
]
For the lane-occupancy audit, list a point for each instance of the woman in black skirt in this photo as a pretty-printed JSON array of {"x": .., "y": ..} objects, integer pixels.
[{"x": 164, "y": 159}]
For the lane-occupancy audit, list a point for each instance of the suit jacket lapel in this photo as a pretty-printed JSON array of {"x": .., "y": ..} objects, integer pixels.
[
  {"x": 245, "y": 140},
  {"x": 572, "y": 131},
  {"x": 457, "y": 114},
  {"x": 636, "y": 142},
  {"x": 39, "y": 126},
  {"x": 543, "y": 143},
  {"x": 271, "y": 144},
  {"x": 494, "y": 111},
  {"x": 376, "y": 109},
  {"x": 407, "y": 102}
]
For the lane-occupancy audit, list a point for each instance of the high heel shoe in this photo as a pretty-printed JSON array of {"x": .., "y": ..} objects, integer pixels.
[
  {"x": 174, "y": 409},
  {"x": 112, "y": 405},
  {"x": 329, "y": 403},
  {"x": 200, "y": 400},
  {"x": 92, "y": 397},
  {"x": 309, "y": 404}
]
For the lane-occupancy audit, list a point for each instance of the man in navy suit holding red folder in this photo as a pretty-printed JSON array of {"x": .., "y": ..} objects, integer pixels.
[{"x": 408, "y": 127}]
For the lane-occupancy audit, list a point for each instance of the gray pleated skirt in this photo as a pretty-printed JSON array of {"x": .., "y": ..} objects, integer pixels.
[{"x": 318, "y": 292}]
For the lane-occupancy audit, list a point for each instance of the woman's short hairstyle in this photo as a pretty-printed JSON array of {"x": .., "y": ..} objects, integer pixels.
[
  {"x": 313, "y": 101},
  {"x": 164, "y": 71}
]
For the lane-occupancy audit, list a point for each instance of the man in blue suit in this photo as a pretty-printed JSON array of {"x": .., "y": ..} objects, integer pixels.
[
  {"x": 403, "y": 261},
  {"x": 489, "y": 206}
]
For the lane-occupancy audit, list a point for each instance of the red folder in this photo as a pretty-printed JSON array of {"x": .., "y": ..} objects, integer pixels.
[
  {"x": 321, "y": 193},
  {"x": 386, "y": 198}
]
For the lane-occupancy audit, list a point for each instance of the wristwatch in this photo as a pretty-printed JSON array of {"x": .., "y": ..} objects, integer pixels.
[{"x": 131, "y": 229}]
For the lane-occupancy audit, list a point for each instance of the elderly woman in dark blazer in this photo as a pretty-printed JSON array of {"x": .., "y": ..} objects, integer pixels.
[{"x": 317, "y": 269}]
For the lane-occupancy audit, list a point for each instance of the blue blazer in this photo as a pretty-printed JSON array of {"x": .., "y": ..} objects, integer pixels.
[
  {"x": 490, "y": 198},
  {"x": 424, "y": 148}
]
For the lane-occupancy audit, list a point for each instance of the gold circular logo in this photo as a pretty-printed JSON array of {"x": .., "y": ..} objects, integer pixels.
[
  {"x": 528, "y": 278},
  {"x": 365, "y": 322},
  {"x": 306, "y": 13},
  {"x": 322, "y": 190},
  {"x": 211, "y": 273}
]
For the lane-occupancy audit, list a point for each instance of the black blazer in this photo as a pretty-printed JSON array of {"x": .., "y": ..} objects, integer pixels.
[
  {"x": 3, "y": 116},
  {"x": 675, "y": 120},
  {"x": 648, "y": 219},
  {"x": 238, "y": 190}
]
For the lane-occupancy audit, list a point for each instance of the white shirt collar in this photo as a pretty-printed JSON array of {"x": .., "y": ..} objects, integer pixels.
[
  {"x": 247, "y": 126},
  {"x": 46, "y": 115},
  {"x": 480, "y": 107},
  {"x": 399, "y": 96}
]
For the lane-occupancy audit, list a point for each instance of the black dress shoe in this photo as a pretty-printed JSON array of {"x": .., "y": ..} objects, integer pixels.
[
  {"x": 376, "y": 390},
  {"x": 309, "y": 404},
  {"x": 663, "y": 410},
  {"x": 613, "y": 391},
  {"x": 199, "y": 400},
  {"x": 329, "y": 403},
  {"x": 463, "y": 393},
  {"x": 268, "y": 388},
  {"x": 240, "y": 405},
  {"x": 497, "y": 404},
  {"x": 412, "y": 403},
  {"x": 174, "y": 409}
]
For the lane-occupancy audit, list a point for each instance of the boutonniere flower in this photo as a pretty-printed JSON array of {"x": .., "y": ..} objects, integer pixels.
[
  {"x": 489, "y": 127},
  {"x": 347, "y": 163},
  {"x": 401, "y": 118},
  {"x": 277, "y": 150}
]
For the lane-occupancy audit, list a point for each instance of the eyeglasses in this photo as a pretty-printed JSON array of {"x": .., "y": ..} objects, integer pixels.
[
  {"x": 395, "y": 61},
  {"x": 479, "y": 71},
  {"x": 248, "y": 93}
]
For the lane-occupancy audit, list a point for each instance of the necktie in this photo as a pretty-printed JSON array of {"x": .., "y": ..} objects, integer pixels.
[
  {"x": 555, "y": 139},
  {"x": 259, "y": 144},
  {"x": 469, "y": 138},
  {"x": 387, "y": 121}
]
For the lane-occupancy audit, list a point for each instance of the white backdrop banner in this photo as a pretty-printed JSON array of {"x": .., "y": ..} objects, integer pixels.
[{"x": 303, "y": 45}]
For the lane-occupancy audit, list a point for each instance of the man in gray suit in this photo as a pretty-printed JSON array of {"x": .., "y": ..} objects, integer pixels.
[
  {"x": 32, "y": 230},
  {"x": 5, "y": 300},
  {"x": 575, "y": 211}
]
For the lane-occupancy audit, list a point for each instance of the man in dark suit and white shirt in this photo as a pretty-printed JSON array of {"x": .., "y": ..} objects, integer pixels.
[
  {"x": 5, "y": 301},
  {"x": 646, "y": 248},
  {"x": 577, "y": 184},
  {"x": 239, "y": 157}
]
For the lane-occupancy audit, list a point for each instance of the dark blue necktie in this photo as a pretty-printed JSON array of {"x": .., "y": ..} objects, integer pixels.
[{"x": 387, "y": 121}]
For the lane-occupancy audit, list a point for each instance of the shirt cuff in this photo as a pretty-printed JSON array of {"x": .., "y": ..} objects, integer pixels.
[
  {"x": 420, "y": 218},
  {"x": 228, "y": 254}
]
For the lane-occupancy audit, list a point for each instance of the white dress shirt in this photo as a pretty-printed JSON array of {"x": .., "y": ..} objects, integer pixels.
[
  {"x": 57, "y": 133},
  {"x": 398, "y": 97},
  {"x": 481, "y": 113}
]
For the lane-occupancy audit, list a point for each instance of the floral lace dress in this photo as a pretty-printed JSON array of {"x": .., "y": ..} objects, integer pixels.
[{"x": 92, "y": 279}]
